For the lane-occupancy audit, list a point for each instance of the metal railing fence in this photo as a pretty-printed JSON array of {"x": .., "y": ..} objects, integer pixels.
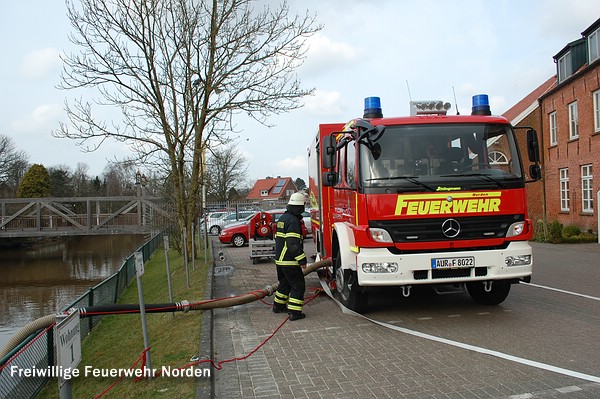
[{"x": 38, "y": 352}]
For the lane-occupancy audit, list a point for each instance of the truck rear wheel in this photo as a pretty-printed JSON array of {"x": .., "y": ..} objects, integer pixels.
[
  {"x": 498, "y": 293},
  {"x": 348, "y": 292}
]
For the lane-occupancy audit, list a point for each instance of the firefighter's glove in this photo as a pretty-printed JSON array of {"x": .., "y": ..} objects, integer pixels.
[{"x": 302, "y": 263}]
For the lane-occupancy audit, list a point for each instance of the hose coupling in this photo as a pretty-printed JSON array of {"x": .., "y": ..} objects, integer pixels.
[
  {"x": 184, "y": 305},
  {"x": 269, "y": 290}
]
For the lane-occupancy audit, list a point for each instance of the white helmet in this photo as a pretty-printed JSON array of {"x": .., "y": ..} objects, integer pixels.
[{"x": 296, "y": 199}]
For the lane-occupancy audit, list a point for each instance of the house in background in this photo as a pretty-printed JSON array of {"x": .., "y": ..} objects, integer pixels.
[
  {"x": 272, "y": 189},
  {"x": 571, "y": 128},
  {"x": 527, "y": 113},
  {"x": 565, "y": 111}
]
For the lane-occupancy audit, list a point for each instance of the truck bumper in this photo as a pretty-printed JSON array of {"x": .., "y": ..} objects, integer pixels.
[{"x": 417, "y": 268}]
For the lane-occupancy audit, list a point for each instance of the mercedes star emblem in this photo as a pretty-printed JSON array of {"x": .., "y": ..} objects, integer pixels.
[{"x": 450, "y": 228}]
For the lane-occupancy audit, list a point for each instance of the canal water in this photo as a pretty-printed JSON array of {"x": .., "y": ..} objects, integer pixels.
[{"x": 44, "y": 279}]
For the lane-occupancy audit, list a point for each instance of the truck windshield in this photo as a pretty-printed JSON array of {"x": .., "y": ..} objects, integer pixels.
[{"x": 432, "y": 157}]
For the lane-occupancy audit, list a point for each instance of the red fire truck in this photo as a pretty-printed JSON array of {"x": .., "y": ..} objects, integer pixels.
[{"x": 428, "y": 198}]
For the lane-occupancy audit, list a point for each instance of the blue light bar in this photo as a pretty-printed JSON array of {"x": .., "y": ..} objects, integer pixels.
[
  {"x": 481, "y": 105},
  {"x": 373, "y": 108}
]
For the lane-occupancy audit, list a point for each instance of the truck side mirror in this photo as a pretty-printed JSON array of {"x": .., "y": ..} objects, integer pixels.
[
  {"x": 535, "y": 172},
  {"x": 533, "y": 147},
  {"x": 328, "y": 152},
  {"x": 329, "y": 179}
]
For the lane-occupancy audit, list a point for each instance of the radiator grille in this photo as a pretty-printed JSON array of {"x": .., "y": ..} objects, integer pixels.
[{"x": 430, "y": 229}]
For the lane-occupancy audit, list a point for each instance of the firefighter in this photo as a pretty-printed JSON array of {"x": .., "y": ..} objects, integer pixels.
[{"x": 290, "y": 260}]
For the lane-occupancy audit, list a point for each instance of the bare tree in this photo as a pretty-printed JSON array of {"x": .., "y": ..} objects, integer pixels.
[
  {"x": 179, "y": 70},
  {"x": 13, "y": 164},
  {"x": 227, "y": 169}
]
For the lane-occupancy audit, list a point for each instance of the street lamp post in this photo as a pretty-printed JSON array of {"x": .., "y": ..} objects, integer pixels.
[{"x": 140, "y": 184}]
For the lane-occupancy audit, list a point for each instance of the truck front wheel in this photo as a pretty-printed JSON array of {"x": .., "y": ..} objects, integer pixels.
[
  {"x": 348, "y": 292},
  {"x": 497, "y": 294}
]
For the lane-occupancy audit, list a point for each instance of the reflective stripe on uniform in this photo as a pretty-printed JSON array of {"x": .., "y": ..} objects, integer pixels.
[
  {"x": 287, "y": 263},
  {"x": 290, "y": 234},
  {"x": 295, "y": 304},
  {"x": 280, "y": 298},
  {"x": 294, "y": 262}
]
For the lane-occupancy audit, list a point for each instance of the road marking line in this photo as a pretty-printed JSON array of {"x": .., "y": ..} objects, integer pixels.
[
  {"x": 595, "y": 298},
  {"x": 569, "y": 389},
  {"x": 462, "y": 345}
]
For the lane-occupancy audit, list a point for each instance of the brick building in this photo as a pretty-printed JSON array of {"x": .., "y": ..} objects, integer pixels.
[
  {"x": 527, "y": 112},
  {"x": 571, "y": 133},
  {"x": 565, "y": 111}
]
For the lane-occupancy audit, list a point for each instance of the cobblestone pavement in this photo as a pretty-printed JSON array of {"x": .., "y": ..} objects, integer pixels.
[{"x": 330, "y": 354}]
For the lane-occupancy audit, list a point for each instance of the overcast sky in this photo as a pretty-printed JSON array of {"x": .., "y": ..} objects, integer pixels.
[{"x": 385, "y": 48}]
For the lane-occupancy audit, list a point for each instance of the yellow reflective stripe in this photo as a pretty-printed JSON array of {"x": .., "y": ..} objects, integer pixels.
[
  {"x": 282, "y": 254},
  {"x": 280, "y": 301},
  {"x": 356, "y": 207},
  {"x": 354, "y": 249},
  {"x": 288, "y": 235},
  {"x": 292, "y": 307},
  {"x": 280, "y": 295},
  {"x": 297, "y": 301},
  {"x": 300, "y": 257},
  {"x": 286, "y": 263}
]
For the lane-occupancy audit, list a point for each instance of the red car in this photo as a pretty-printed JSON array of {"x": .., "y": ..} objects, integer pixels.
[{"x": 237, "y": 233}]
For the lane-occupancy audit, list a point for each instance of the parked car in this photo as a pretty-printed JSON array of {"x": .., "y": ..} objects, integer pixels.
[
  {"x": 237, "y": 234},
  {"x": 307, "y": 222},
  {"x": 216, "y": 225},
  {"x": 211, "y": 218}
]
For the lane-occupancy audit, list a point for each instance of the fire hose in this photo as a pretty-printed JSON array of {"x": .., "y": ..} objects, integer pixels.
[{"x": 183, "y": 306}]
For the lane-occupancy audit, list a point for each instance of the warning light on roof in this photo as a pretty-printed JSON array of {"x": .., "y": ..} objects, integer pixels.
[
  {"x": 481, "y": 105},
  {"x": 373, "y": 108},
  {"x": 429, "y": 107}
]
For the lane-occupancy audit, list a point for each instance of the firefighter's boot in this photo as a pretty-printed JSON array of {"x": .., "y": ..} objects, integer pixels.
[
  {"x": 280, "y": 302},
  {"x": 295, "y": 315},
  {"x": 294, "y": 307},
  {"x": 279, "y": 308}
]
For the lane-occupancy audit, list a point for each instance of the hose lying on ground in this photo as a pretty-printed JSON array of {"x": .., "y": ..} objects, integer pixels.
[{"x": 46, "y": 321}]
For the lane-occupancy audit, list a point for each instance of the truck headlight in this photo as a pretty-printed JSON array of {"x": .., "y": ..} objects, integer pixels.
[
  {"x": 381, "y": 267},
  {"x": 516, "y": 229},
  {"x": 380, "y": 235},
  {"x": 519, "y": 260}
]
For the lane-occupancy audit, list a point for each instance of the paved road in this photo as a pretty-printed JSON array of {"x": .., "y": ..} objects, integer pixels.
[{"x": 539, "y": 343}]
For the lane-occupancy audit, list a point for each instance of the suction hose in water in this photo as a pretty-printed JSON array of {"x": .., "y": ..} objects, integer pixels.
[
  {"x": 25, "y": 331},
  {"x": 183, "y": 306}
]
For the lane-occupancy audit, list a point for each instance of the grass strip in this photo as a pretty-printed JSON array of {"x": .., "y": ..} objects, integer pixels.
[{"x": 117, "y": 341}]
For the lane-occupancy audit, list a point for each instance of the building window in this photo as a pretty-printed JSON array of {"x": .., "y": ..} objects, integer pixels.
[
  {"x": 596, "y": 96},
  {"x": 564, "y": 189},
  {"x": 553, "y": 128},
  {"x": 564, "y": 67},
  {"x": 497, "y": 158},
  {"x": 587, "y": 193},
  {"x": 594, "y": 45},
  {"x": 573, "y": 121}
]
